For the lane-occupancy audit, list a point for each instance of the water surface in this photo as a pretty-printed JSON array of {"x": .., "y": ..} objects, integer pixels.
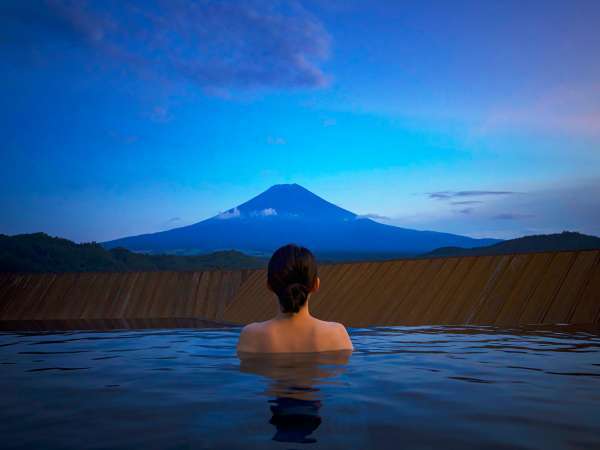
[{"x": 403, "y": 387}]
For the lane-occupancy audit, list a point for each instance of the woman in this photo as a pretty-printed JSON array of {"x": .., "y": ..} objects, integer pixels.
[{"x": 292, "y": 276}]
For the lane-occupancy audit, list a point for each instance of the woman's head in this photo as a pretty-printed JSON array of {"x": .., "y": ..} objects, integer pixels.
[{"x": 292, "y": 275}]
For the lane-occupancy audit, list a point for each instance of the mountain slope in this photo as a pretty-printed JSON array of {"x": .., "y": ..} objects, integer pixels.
[
  {"x": 290, "y": 213},
  {"x": 39, "y": 252},
  {"x": 567, "y": 240}
]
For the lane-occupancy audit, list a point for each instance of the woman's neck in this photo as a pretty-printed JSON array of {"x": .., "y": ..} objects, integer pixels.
[{"x": 302, "y": 314}]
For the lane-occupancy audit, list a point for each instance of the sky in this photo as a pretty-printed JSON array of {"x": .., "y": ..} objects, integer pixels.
[{"x": 127, "y": 117}]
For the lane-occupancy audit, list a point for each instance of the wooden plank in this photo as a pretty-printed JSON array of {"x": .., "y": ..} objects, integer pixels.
[
  {"x": 329, "y": 283},
  {"x": 97, "y": 301},
  {"x": 432, "y": 288},
  {"x": 10, "y": 292},
  {"x": 235, "y": 282},
  {"x": 194, "y": 284},
  {"x": 155, "y": 300},
  {"x": 384, "y": 294},
  {"x": 235, "y": 311},
  {"x": 392, "y": 300},
  {"x": 515, "y": 303},
  {"x": 52, "y": 303},
  {"x": 14, "y": 294},
  {"x": 33, "y": 296},
  {"x": 221, "y": 297},
  {"x": 6, "y": 282},
  {"x": 472, "y": 315},
  {"x": 148, "y": 295},
  {"x": 325, "y": 274},
  {"x": 546, "y": 290},
  {"x": 462, "y": 303},
  {"x": 368, "y": 294},
  {"x": 89, "y": 298},
  {"x": 348, "y": 302},
  {"x": 571, "y": 288},
  {"x": 118, "y": 305},
  {"x": 441, "y": 300},
  {"x": 170, "y": 298},
  {"x": 256, "y": 300},
  {"x": 180, "y": 295},
  {"x": 401, "y": 314},
  {"x": 202, "y": 296},
  {"x": 588, "y": 308},
  {"x": 494, "y": 299},
  {"x": 78, "y": 296},
  {"x": 333, "y": 290},
  {"x": 213, "y": 290}
]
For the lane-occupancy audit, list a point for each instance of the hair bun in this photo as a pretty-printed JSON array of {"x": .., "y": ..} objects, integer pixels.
[{"x": 293, "y": 297}]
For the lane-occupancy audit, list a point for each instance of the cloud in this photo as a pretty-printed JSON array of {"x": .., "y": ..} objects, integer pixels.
[
  {"x": 467, "y": 202},
  {"x": 445, "y": 195},
  {"x": 170, "y": 223},
  {"x": 559, "y": 205},
  {"x": 465, "y": 210},
  {"x": 271, "y": 140},
  {"x": 229, "y": 214},
  {"x": 213, "y": 44},
  {"x": 512, "y": 216},
  {"x": 372, "y": 216},
  {"x": 266, "y": 212}
]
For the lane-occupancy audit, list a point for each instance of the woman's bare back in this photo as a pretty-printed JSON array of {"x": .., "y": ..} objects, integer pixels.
[{"x": 294, "y": 335}]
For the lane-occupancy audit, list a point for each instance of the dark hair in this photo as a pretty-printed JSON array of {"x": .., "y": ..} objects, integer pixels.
[{"x": 291, "y": 274}]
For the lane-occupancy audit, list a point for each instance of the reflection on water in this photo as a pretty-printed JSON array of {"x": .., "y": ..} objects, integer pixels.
[
  {"x": 293, "y": 388},
  {"x": 402, "y": 387}
]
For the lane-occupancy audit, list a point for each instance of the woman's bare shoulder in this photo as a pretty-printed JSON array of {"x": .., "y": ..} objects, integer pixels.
[
  {"x": 330, "y": 325},
  {"x": 253, "y": 329},
  {"x": 250, "y": 336},
  {"x": 337, "y": 334}
]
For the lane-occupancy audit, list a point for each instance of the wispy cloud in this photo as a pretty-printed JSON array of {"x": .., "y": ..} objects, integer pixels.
[
  {"x": 172, "y": 222},
  {"x": 512, "y": 216},
  {"x": 551, "y": 208},
  {"x": 265, "y": 212},
  {"x": 229, "y": 214},
  {"x": 372, "y": 216},
  {"x": 212, "y": 44},
  {"x": 467, "y": 202},
  {"x": 446, "y": 195}
]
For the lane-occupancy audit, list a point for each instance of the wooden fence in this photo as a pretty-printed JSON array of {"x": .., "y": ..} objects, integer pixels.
[{"x": 507, "y": 290}]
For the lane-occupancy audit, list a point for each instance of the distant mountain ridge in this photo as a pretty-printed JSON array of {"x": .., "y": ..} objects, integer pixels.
[
  {"x": 39, "y": 252},
  {"x": 565, "y": 241},
  {"x": 291, "y": 213}
]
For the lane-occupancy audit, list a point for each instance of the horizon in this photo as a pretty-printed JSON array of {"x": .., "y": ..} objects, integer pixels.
[{"x": 475, "y": 119}]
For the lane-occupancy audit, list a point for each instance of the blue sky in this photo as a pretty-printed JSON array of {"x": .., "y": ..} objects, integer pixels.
[{"x": 122, "y": 117}]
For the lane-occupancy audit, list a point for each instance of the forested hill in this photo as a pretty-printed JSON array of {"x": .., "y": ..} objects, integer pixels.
[
  {"x": 39, "y": 252},
  {"x": 567, "y": 240}
]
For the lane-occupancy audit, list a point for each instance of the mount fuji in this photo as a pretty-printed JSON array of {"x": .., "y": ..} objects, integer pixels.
[{"x": 287, "y": 213}]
